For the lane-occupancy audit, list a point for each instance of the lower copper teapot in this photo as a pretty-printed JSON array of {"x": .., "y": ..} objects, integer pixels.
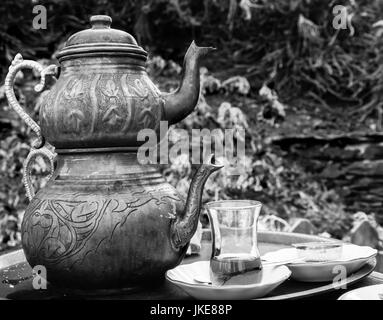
[{"x": 105, "y": 221}]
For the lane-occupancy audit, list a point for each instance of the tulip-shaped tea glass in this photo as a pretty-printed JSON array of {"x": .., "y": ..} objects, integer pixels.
[{"x": 234, "y": 232}]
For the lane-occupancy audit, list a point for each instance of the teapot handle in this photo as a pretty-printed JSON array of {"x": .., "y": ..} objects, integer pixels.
[
  {"x": 19, "y": 63},
  {"x": 33, "y": 154},
  {"x": 38, "y": 146}
]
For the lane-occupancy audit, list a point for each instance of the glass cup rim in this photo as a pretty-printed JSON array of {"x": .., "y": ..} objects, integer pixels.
[{"x": 251, "y": 204}]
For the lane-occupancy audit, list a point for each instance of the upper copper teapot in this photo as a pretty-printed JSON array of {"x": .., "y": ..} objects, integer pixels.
[
  {"x": 105, "y": 220},
  {"x": 104, "y": 96}
]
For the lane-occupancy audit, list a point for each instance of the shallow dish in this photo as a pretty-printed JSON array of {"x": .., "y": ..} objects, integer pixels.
[
  {"x": 183, "y": 276},
  {"x": 319, "y": 251},
  {"x": 374, "y": 292},
  {"x": 352, "y": 258}
]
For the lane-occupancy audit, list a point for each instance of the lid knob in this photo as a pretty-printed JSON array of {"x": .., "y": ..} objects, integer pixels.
[{"x": 100, "y": 22}]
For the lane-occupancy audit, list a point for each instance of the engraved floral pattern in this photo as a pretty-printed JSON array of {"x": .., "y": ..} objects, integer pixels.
[
  {"x": 74, "y": 119},
  {"x": 55, "y": 230},
  {"x": 98, "y": 106}
]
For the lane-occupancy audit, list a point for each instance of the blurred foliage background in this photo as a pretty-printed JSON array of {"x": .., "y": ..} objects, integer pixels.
[{"x": 280, "y": 70}]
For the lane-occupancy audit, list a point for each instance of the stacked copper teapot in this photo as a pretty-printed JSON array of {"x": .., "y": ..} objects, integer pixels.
[{"x": 104, "y": 220}]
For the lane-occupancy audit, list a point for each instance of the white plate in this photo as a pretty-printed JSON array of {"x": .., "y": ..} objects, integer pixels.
[
  {"x": 353, "y": 258},
  {"x": 365, "y": 293},
  {"x": 183, "y": 277}
]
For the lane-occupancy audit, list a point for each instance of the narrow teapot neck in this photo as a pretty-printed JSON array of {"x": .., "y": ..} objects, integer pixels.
[
  {"x": 104, "y": 64},
  {"x": 105, "y": 166},
  {"x": 74, "y": 151}
]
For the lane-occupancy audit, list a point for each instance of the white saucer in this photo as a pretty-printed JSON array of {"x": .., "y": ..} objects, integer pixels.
[
  {"x": 183, "y": 277},
  {"x": 353, "y": 258},
  {"x": 366, "y": 293}
]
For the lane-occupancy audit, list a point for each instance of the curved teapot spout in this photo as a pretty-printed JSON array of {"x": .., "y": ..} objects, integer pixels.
[
  {"x": 185, "y": 225},
  {"x": 183, "y": 101}
]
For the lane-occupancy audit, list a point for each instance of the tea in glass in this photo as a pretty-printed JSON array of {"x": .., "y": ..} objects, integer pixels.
[{"x": 235, "y": 256}]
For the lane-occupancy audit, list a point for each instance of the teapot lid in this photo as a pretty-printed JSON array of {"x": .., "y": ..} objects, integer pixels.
[{"x": 101, "y": 40}]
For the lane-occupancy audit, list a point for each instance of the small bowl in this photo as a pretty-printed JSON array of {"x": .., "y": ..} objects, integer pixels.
[
  {"x": 352, "y": 258},
  {"x": 319, "y": 251}
]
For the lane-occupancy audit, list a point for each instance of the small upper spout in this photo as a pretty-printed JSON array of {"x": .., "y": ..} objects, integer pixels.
[
  {"x": 182, "y": 102},
  {"x": 185, "y": 225}
]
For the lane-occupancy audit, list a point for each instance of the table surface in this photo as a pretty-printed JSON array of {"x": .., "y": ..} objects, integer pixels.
[
  {"x": 23, "y": 289},
  {"x": 169, "y": 291}
]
